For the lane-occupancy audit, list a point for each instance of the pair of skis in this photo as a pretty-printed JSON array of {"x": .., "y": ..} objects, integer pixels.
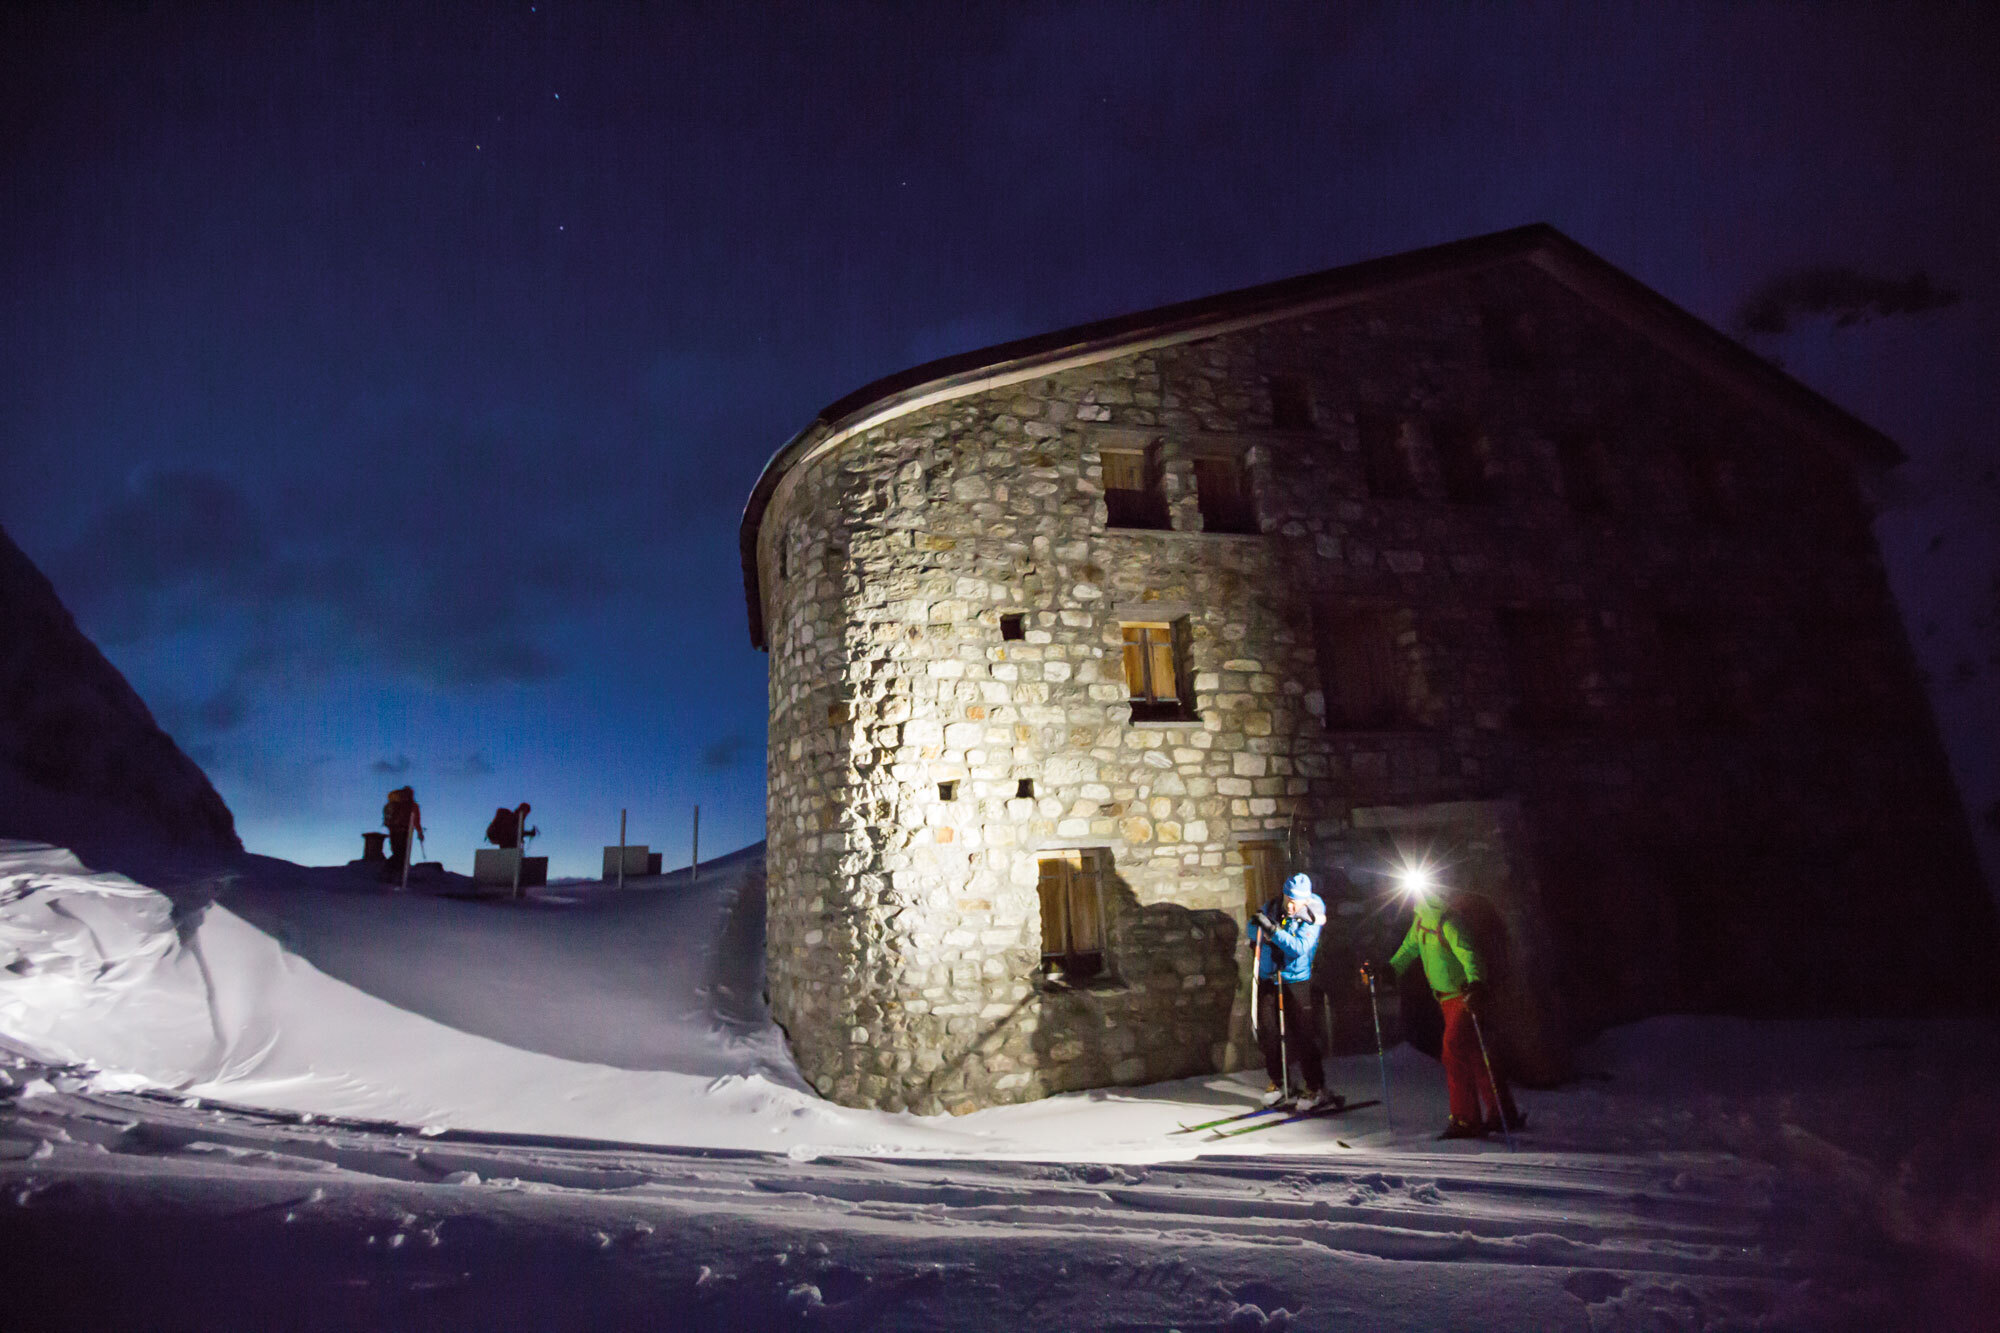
[{"x": 1229, "y": 1126}]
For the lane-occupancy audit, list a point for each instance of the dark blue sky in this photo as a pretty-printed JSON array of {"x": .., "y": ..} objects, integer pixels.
[{"x": 383, "y": 382}]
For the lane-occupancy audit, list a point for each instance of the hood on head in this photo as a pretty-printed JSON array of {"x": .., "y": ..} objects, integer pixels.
[{"x": 1299, "y": 889}]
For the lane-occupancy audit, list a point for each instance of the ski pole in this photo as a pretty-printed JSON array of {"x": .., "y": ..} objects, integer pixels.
[
  {"x": 1256, "y": 961},
  {"x": 1381, "y": 1060},
  {"x": 1284, "y": 1054},
  {"x": 1492, "y": 1083}
]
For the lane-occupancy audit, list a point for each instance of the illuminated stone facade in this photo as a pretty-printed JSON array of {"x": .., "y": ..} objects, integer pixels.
[{"x": 1524, "y": 565}]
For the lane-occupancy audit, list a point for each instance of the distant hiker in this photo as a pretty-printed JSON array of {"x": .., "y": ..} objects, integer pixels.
[
  {"x": 402, "y": 816},
  {"x": 505, "y": 830},
  {"x": 1452, "y": 967},
  {"x": 1285, "y": 934}
]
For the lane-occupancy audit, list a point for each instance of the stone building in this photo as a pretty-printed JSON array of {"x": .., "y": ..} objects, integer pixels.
[{"x": 1484, "y": 553}]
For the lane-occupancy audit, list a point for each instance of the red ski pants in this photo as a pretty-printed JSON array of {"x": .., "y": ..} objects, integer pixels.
[{"x": 1464, "y": 1071}]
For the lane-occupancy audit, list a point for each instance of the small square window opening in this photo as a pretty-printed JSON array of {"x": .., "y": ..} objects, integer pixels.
[
  {"x": 947, "y": 791},
  {"x": 1024, "y": 789},
  {"x": 1013, "y": 627}
]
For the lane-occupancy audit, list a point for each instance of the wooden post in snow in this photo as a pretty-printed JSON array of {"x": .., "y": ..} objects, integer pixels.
[
  {"x": 409, "y": 833},
  {"x": 621, "y": 847},
  {"x": 694, "y": 854}
]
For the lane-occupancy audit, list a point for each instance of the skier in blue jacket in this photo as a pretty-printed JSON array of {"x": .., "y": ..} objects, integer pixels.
[{"x": 1285, "y": 934}]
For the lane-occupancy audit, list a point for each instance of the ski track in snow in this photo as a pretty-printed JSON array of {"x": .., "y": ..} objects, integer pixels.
[{"x": 364, "y": 1147}]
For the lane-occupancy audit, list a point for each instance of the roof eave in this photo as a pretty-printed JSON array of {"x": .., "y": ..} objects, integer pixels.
[{"x": 1556, "y": 254}]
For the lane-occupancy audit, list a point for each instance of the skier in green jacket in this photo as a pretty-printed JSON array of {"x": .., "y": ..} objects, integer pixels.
[{"x": 1452, "y": 966}]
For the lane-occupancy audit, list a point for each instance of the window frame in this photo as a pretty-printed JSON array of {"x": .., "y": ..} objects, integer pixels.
[
  {"x": 1381, "y": 667},
  {"x": 1162, "y": 643},
  {"x": 1291, "y": 402},
  {"x": 1079, "y": 876},
  {"x": 1264, "y": 867},
  {"x": 1142, "y": 508},
  {"x": 1549, "y": 651},
  {"x": 1388, "y": 470},
  {"x": 1583, "y": 467},
  {"x": 1234, "y": 513},
  {"x": 1464, "y": 469},
  {"x": 1698, "y": 671}
]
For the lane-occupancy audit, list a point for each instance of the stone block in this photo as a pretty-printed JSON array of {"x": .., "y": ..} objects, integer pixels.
[
  {"x": 639, "y": 860},
  {"x": 494, "y": 867}
]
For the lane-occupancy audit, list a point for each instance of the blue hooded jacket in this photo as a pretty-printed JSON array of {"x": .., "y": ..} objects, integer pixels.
[{"x": 1287, "y": 952}]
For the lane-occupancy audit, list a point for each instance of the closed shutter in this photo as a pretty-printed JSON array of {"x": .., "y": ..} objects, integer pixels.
[
  {"x": 1263, "y": 874},
  {"x": 1072, "y": 915}
]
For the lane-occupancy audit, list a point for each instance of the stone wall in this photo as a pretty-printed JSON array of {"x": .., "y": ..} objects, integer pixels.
[{"x": 1614, "y": 500}]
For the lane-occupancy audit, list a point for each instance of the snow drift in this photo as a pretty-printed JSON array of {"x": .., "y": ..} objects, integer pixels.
[{"x": 459, "y": 1093}]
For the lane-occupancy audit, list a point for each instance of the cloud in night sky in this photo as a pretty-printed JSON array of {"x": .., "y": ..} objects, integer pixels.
[
  {"x": 1846, "y": 295},
  {"x": 474, "y": 765},
  {"x": 725, "y": 753},
  {"x": 401, "y": 587},
  {"x": 391, "y": 768}
]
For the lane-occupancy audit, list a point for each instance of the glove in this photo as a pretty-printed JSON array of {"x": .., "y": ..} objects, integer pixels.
[{"x": 1263, "y": 921}]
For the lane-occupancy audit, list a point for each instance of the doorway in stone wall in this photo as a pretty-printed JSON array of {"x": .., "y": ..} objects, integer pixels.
[{"x": 1475, "y": 850}]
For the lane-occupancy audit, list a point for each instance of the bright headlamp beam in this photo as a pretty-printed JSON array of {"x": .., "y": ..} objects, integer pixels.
[{"x": 1415, "y": 880}]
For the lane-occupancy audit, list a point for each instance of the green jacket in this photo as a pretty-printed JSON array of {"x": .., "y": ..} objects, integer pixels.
[{"x": 1450, "y": 962}]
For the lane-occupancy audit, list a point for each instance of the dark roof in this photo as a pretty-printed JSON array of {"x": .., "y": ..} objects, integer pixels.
[{"x": 1538, "y": 243}]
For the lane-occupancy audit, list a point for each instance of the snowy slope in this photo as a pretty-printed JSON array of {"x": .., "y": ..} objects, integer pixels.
[
  {"x": 80, "y": 755},
  {"x": 574, "y": 1113}
]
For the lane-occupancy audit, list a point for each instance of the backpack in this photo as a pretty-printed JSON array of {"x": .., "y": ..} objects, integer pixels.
[{"x": 502, "y": 832}]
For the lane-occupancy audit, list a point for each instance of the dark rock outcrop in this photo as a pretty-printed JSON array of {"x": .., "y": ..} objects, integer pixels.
[{"x": 81, "y": 758}]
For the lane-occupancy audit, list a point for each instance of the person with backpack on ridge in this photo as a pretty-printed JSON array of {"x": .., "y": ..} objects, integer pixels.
[
  {"x": 402, "y": 816},
  {"x": 1452, "y": 967},
  {"x": 509, "y": 827},
  {"x": 1285, "y": 934}
]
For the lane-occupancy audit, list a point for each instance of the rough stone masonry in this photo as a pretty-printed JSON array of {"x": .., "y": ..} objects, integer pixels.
[{"x": 1485, "y": 553}]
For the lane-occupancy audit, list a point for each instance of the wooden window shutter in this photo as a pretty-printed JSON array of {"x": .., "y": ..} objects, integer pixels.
[
  {"x": 1544, "y": 651},
  {"x": 1154, "y": 669},
  {"x": 1224, "y": 495},
  {"x": 1383, "y": 456},
  {"x": 1086, "y": 915},
  {"x": 1054, "y": 888},
  {"x": 1070, "y": 886},
  {"x": 1360, "y": 674},
  {"x": 1150, "y": 674},
  {"x": 1124, "y": 470},
  {"x": 1263, "y": 874}
]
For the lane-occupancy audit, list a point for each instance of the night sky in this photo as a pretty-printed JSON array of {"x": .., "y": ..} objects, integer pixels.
[{"x": 383, "y": 383}]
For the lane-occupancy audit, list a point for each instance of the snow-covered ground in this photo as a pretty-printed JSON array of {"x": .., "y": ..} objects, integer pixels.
[{"x": 282, "y": 1097}]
